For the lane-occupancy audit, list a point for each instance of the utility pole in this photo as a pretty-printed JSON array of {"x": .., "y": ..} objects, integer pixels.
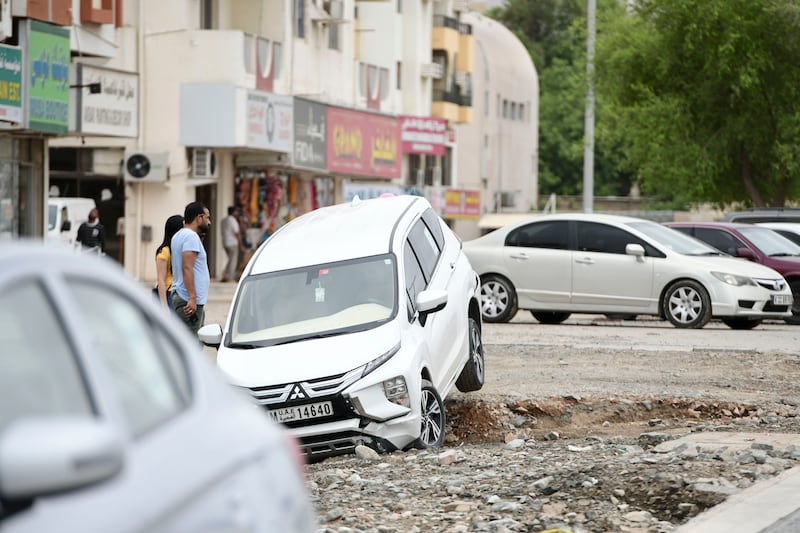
[{"x": 588, "y": 126}]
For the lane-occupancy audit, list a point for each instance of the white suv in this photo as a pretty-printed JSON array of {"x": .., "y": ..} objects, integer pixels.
[{"x": 351, "y": 323}]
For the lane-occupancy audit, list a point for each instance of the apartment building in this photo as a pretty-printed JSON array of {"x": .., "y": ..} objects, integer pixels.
[{"x": 276, "y": 107}]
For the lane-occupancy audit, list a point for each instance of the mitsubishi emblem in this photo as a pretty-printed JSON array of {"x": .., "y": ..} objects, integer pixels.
[{"x": 297, "y": 393}]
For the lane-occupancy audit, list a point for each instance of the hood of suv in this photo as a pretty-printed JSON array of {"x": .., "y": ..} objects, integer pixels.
[{"x": 307, "y": 359}]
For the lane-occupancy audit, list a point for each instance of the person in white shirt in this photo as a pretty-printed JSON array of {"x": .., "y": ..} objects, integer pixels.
[{"x": 232, "y": 242}]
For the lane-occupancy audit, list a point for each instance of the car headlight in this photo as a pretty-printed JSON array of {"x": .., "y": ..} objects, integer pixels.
[
  {"x": 733, "y": 279},
  {"x": 378, "y": 361},
  {"x": 396, "y": 391}
]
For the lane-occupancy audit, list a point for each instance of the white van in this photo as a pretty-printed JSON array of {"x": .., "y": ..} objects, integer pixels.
[{"x": 64, "y": 217}]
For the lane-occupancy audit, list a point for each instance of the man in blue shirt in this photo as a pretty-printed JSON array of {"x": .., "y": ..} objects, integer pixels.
[{"x": 191, "y": 278}]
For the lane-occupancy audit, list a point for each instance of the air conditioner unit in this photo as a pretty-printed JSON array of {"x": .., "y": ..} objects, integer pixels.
[
  {"x": 204, "y": 163},
  {"x": 432, "y": 70},
  {"x": 507, "y": 199},
  {"x": 142, "y": 167}
]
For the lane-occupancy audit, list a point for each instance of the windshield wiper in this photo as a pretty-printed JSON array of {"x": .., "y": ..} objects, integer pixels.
[
  {"x": 707, "y": 254},
  {"x": 314, "y": 336},
  {"x": 244, "y": 345},
  {"x": 783, "y": 254}
]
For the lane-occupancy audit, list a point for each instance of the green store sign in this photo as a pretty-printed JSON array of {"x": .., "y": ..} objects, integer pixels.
[{"x": 48, "y": 63}]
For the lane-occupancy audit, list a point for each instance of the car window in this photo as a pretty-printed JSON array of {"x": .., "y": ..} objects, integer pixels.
[
  {"x": 769, "y": 242},
  {"x": 432, "y": 220},
  {"x": 39, "y": 373},
  {"x": 425, "y": 248},
  {"x": 553, "y": 234},
  {"x": 792, "y": 236},
  {"x": 136, "y": 360},
  {"x": 595, "y": 237},
  {"x": 415, "y": 280},
  {"x": 719, "y": 239}
]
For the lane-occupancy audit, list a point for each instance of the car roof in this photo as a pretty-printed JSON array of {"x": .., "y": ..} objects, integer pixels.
[
  {"x": 359, "y": 228},
  {"x": 765, "y": 214},
  {"x": 711, "y": 224}
]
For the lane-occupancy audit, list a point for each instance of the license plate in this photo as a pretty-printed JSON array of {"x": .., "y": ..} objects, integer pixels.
[
  {"x": 782, "y": 299},
  {"x": 302, "y": 412}
]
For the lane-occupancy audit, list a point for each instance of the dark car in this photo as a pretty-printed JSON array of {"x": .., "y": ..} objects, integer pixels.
[
  {"x": 764, "y": 214},
  {"x": 755, "y": 243}
]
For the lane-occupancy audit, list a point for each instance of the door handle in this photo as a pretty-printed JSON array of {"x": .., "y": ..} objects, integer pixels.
[
  {"x": 585, "y": 261},
  {"x": 519, "y": 256}
]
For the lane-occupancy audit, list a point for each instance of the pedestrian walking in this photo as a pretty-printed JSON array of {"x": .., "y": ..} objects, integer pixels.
[
  {"x": 163, "y": 287},
  {"x": 191, "y": 279},
  {"x": 232, "y": 242},
  {"x": 91, "y": 234}
]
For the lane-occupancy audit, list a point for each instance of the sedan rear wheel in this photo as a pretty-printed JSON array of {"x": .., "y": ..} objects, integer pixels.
[
  {"x": 498, "y": 299},
  {"x": 741, "y": 323},
  {"x": 550, "y": 317},
  {"x": 687, "y": 305},
  {"x": 431, "y": 433},
  {"x": 795, "y": 318},
  {"x": 473, "y": 373}
]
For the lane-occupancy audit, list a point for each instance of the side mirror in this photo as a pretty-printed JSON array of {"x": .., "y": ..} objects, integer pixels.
[
  {"x": 745, "y": 253},
  {"x": 430, "y": 301},
  {"x": 210, "y": 335},
  {"x": 46, "y": 454},
  {"x": 66, "y": 226},
  {"x": 634, "y": 249}
]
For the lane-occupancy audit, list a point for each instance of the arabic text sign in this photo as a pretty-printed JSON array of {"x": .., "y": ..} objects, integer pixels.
[
  {"x": 309, "y": 134},
  {"x": 365, "y": 144},
  {"x": 114, "y": 110},
  {"x": 455, "y": 203},
  {"x": 423, "y": 135},
  {"x": 269, "y": 121},
  {"x": 48, "y": 76},
  {"x": 10, "y": 84}
]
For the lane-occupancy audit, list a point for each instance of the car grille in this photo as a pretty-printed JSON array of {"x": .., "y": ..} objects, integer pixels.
[
  {"x": 771, "y": 284},
  {"x": 772, "y": 308},
  {"x": 315, "y": 390}
]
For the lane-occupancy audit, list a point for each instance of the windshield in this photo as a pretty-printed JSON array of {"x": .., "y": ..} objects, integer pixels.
[
  {"x": 321, "y": 300},
  {"x": 673, "y": 239},
  {"x": 770, "y": 242}
]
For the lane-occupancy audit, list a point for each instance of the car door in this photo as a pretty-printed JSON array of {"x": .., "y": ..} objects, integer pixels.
[
  {"x": 604, "y": 276},
  {"x": 537, "y": 257}
]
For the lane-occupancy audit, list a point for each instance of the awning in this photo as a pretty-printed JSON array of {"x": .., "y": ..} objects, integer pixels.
[{"x": 499, "y": 220}]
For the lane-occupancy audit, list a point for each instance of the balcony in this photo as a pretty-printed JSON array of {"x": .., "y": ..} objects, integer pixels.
[
  {"x": 445, "y": 104},
  {"x": 445, "y": 34}
]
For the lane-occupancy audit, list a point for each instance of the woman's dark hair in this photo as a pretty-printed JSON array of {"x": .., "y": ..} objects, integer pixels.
[{"x": 171, "y": 227}]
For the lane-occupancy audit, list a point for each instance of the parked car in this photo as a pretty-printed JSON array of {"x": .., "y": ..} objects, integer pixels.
[
  {"x": 790, "y": 230},
  {"x": 593, "y": 263},
  {"x": 351, "y": 323},
  {"x": 764, "y": 214},
  {"x": 755, "y": 243},
  {"x": 113, "y": 419}
]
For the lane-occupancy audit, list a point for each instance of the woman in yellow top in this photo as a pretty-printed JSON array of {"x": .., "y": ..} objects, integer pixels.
[{"x": 164, "y": 263}]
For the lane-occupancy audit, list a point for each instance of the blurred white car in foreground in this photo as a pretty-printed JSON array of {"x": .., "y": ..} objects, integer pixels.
[
  {"x": 112, "y": 419},
  {"x": 351, "y": 323},
  {"x": 593, "y": 263}
]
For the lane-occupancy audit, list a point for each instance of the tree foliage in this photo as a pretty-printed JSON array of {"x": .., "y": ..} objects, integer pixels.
[
  {"x": 705, "y": 97},
  {"x": 554, "y": 32}
]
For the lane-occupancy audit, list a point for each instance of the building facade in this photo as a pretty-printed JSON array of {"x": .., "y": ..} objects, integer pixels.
[{"x": 276, "y": 108}]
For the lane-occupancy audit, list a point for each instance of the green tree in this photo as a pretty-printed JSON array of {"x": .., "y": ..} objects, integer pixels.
[
  {"x": 706, "y": 97},
  {"x": 554, "y": 32}
]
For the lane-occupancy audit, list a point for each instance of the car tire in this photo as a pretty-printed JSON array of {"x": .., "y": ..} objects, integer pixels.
[
  {"x": 794, "y": 320},
  {"x": 498, "y": 299},
  {"x": 474, "y": 372},
  {"x": 432, "y": 416},
  {"x": 741, "y": 323},
  {"x": 686, "y": 304},
  {"x": 550, "y": 317}
]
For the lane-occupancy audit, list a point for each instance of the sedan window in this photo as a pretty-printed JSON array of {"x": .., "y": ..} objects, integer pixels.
[
  {"x": 146, "y": 384},
  {"x": 553, "y": 235},
  {"x": 720, "y": 239},
  {"x": 39, "y": 374}
]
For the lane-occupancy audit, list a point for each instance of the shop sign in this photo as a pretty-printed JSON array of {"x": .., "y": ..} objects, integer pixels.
[
  {"x": 366, "y": 191},
  {"x": 269, "y": 121},
  {"x": 309, "y": 135},
  {"x": 114, "y": 111},
  {"x": 365, "y": 144},
  {"x": 423, "y": 135},
  {"x": 454, "y": 203},
  {"x": 10, "y": 84},
  {"x": 46, "y": 73}
]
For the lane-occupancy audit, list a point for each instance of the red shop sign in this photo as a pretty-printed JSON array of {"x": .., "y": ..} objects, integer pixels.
[{"x": 365, "y": 144}]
